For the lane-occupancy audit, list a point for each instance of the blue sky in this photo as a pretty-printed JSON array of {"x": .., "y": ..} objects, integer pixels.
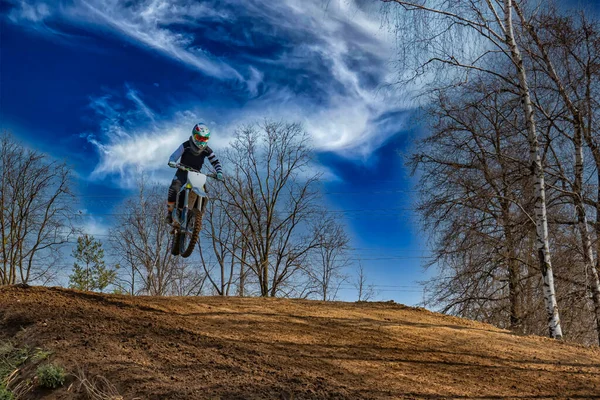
[{"x": 115, "y": 86}]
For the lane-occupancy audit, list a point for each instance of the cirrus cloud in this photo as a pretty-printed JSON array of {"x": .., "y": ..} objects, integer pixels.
[{"x": 322, "y": 63}]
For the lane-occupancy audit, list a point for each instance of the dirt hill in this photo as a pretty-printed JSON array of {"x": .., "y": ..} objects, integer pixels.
[{"x": 254, "y": 348}]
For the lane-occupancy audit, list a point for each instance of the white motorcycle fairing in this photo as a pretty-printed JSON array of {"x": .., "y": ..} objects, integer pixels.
[{"x": 197, "y": 180}]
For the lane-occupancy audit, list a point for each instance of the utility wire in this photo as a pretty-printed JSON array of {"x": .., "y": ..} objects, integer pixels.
[
  {"x": 390, "y": 191},
  {"x": 384, "y": 210}
]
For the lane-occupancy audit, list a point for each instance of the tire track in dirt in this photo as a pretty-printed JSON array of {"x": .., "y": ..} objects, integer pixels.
[{"x": 254, "y": 348}]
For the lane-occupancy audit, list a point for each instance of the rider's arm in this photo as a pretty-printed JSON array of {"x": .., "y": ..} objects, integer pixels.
[
  {"x": 214, "y": 161},
  {"x": 176, "y": 154}
]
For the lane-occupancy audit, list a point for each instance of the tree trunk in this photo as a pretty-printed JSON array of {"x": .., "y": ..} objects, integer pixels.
[
  {"x": 513, "y": 278},
  {"x": 593, "y": 145},
  {"x": 586, "y": 241},
  {"x": 264, "y": 285},
  {"x": 541, "y": 220},
  {"x": 590, "y": 266},
  {"x": 242, "y": 271},
  {"x": 578, "y": 126}
]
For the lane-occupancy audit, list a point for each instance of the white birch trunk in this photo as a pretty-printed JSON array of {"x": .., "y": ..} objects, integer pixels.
[
  {"x": 590, "y": 266},
  {"x": 588, "y": 254},
  {"x": 542, "y": 243},
  {"x": 586, "y": 242}
]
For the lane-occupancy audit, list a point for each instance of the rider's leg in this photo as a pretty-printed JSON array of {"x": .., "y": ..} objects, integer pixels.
[
  {"x": 173, "y": 190},
  {"x": 170, "y": 206}
]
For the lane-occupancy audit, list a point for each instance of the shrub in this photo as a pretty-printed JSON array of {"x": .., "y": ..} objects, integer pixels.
[
  {"x": 51, "y": 376},
  {"x": 6, "y": 348},
  {"x": 40, "y": 355},
  {"x": 11, "y": 358},
  {"x": 5, "y": 394}
]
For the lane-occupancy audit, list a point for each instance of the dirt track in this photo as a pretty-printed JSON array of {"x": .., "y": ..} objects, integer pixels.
[{"x": 251, "y": 348}]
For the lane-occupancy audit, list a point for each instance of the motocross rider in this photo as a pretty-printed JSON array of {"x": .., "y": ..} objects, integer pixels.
[{"x": 192, "y": 153}]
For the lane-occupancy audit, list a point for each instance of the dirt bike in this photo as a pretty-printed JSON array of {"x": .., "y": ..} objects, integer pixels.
[{"x": 187, "y": 217}]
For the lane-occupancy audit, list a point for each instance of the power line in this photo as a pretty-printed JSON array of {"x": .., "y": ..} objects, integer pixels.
[
  {"x": 385, "y": 286},
  {"x": 391, "y": 191},
  {"x": 347, "y": 286},
  {"x": 377, "y": 249},
  {"x": 404, "y": 254},
  {"x": 388, "y": 290},
  {"x": 385, "y": 210},
  {"x": 399, "y": 258}
]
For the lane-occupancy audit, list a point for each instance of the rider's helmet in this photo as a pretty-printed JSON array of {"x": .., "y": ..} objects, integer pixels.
[{"x": 200, "y": 136}]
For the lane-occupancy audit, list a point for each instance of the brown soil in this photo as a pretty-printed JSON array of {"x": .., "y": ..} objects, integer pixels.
[{"x": 255, "y": 348}]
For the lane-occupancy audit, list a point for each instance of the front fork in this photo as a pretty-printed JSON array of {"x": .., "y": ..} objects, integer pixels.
[
  {"x": 182, "y": 219},
  {"x": 184, "y": 210}
]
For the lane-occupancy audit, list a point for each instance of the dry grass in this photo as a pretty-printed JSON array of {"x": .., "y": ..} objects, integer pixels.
[{"x": 96, "y": 387}]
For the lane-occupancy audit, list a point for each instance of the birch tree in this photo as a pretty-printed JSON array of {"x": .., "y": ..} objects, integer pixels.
[
  {"x": 488, "y": 33},
  {"x": 479, "y": 218},
  {"x": 540, "y": 49},
  {"x": 476, "y": 202}
]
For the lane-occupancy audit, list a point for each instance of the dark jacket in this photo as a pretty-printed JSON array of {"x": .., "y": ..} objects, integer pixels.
[{"x": 195, "y": 160}]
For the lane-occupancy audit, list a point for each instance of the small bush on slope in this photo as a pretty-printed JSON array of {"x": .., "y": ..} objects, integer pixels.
[
  {"x": 51, "y": 376},
  {"x": 5, "y": 394}
]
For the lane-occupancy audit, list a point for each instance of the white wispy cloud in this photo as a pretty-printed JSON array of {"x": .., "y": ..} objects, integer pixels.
[
  {"x": 144, "y": 24},
  {"x": 25, "y": 11},
  {"x": 130, "y": 142},
  {"x": 134, "y": 96},
  {"x": 91, "y": 225},
  {"x": 329, "y": 74},
  {"x": 352, "y": 44},
  {"x": 133, "y": 140}
]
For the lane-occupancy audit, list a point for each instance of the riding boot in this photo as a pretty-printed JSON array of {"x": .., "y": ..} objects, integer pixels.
[{"x": 169, "y": 218}]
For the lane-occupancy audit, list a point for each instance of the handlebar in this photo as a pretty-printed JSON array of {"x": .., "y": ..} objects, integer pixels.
[{"x": 186, "y": 168}]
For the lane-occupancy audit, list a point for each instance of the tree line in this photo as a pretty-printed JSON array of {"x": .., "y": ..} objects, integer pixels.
[
  {"x": 509, "y": 168},
  {"x": 265, "y": 230}
]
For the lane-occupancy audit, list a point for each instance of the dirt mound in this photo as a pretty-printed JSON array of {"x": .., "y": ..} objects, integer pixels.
[{"x": 254, "y": 348}]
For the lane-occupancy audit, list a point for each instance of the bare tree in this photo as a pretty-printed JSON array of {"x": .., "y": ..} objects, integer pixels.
[
  {"x": 329, "y": 259},
  {"x": 187, "y": 280},
  {"x": 476, "y": 204},
  {"x": 565, "y": 51},
  {"x": 365, "y": 290},
  {"x": 222, "y": 243},
  {"x": 37, "y": 206},
  {"x": 141, "y": 237},
  {"x": 489, "y": 34},
  {"x": 272, "y": 199},
  {"x": 474, "y": 200}
]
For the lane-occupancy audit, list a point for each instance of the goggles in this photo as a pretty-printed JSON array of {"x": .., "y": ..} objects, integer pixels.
[{"x": 199, "y": 138}]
